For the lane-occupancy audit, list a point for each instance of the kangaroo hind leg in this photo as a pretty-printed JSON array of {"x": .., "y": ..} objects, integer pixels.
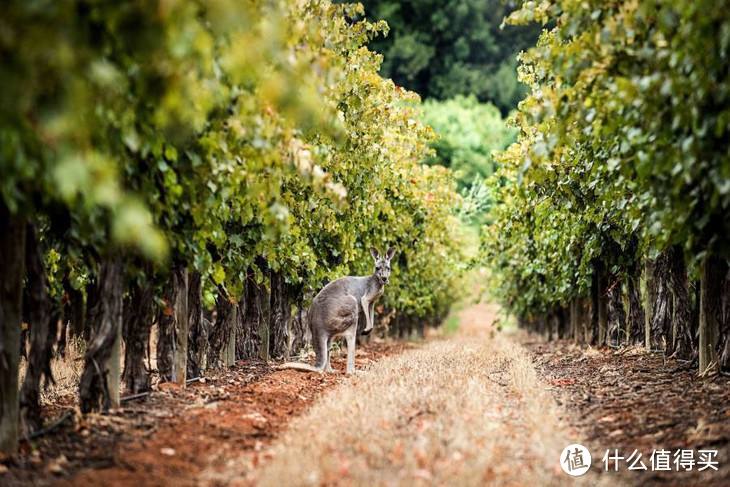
[
  {"x": 321, "y": 343},
  {"x": 328, "y": 364},
  {"x": 351, "y": 337}
]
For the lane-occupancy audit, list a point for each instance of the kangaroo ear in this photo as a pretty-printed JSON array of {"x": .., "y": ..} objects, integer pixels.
[
  {"x": 374, "y": 252},
  {"x": 390, "y": 253}
]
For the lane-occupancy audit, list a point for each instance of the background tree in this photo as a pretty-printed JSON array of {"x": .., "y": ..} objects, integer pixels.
[
  {"x": 444, "y": 48},
  {"x": 468, "y": 133}
]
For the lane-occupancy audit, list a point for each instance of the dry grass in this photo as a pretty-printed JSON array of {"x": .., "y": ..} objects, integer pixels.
[
  {"x": 66, "y": 374},
  {"x": 67, "y": 370},
  {"x": 464, "y": 411}
]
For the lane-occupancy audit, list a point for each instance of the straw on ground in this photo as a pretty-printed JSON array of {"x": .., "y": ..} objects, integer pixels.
[{"x": 469, "y": 408}]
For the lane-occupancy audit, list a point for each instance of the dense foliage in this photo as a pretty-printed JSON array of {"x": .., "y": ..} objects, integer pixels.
[
  {"x": 622, "y": 156},
  {"x": 444, "y": 48},
  {"x": 468, "y": 133},
  {"x": 199, "y": 123},
  {"x": 251, "y": 145}
]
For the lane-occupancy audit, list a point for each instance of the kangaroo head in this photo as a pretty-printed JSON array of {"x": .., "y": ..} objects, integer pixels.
[{"x": 382, "y": 264}]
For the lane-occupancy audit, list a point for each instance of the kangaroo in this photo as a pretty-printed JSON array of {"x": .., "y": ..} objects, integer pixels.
[{"x": 335, "y": 311}]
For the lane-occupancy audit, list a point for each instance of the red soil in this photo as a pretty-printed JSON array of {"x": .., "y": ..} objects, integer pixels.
[
  {"x": 629, "y": 399},
  {"x": 181, "y": 436}
]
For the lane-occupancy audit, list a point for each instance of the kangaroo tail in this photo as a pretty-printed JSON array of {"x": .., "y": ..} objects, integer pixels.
[{"x": 299, "y": 366}]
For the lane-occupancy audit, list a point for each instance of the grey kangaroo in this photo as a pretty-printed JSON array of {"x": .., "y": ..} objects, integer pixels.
[{"x": 336, "y": 308}]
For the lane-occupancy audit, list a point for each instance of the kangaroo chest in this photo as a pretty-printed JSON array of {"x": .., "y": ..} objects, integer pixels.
[{"x": 374, "y": 294}]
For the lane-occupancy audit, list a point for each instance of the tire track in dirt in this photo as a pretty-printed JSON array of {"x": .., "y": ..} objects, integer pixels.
[{"x": 463, "y": 410}]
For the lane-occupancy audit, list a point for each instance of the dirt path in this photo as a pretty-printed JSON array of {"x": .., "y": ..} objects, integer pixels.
[
  {"x": 480, "y": 407},
  {"x": 467, "y": 410},
  {"x": 182, "y": 437}
]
